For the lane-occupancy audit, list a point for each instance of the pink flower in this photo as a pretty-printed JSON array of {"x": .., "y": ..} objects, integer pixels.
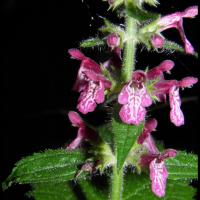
[
  {"x": 171, "y": 87},
  {"x": 154, "y": 159},
  {"x": 176, "y": 114},
  {"x": 113, "y": 40},
  {"x": 84, "y": 133},
  {"x": 157, "y": 72},
  {"x": 175, "y": 20},
  {"x": 157, "y": 41},
  {"x": 158, "y": 176},
  {"x": 134, "y": 98},
  {"x": 87, "y": 64},
  {"x": 145, "y": 137},
  {"x": 90, "y": 83},
  {"x": 158, "y": 172}
]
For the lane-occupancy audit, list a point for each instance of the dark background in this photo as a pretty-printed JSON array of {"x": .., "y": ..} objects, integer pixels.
[{"x": 38, "y": 76}]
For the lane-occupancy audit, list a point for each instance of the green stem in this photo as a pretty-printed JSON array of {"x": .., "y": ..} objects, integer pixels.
[
  {"x": 130, "y": 49},
  {"x": 117, "y": 184}
]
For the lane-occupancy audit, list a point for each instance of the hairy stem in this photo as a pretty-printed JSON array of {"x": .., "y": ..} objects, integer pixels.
[
  {"x": 117, "y": 184},
  {"x": 130, "y": 48}
]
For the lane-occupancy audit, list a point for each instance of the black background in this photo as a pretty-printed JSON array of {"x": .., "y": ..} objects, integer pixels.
[{"x": 38, "y": 76}]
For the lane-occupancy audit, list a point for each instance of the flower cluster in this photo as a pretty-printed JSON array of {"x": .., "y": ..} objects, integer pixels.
[{"x": 135, "y": 95}]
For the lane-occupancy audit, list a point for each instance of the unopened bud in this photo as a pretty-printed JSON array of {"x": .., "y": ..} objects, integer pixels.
[{"x": 113, "y": 40}]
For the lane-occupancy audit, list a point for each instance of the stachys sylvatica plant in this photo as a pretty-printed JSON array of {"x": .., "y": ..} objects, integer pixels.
[{"x": 122, "y": 150}]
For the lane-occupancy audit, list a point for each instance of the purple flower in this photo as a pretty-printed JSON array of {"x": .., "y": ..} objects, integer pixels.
[
  {"x": 87, "y": 64},
  {"x": 157, "y": 72},
  {"x": 157, "y": 41},
  {"x": 175, "y": 20},
  {"x": 84, "y": 133},
  {"x": 113, "y": 40},
  {"x": 171, "y": 87},
  {"x": 176, "y": 114},
  {"x": 154, "y": 159},
  {"x": 90, "y": 83},
  {"x": 145, "y": 137},
  {"x": 134, "y": 98}
]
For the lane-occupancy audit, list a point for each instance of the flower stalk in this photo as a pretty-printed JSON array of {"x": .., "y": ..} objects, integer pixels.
[
  {"x": 117, "y": 184},
  {"x": 130, "y": 48}
]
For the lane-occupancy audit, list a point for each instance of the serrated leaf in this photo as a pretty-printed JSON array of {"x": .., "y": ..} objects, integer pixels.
[
  {"x": 92, "y": 192},
  {"x": 112, "y": 28},
  {"x": 105, "y": 132},
  {"x": 49, "y": 166},
  {"x": 92, "y": 42},
  {"x": 46, "y": 191},
  {"x": 124, "y": 138},
  {"x": 139, "y": 187},
  {"x": 139, "y": 13},
  {"x": 183, "y": 166},
  {"x": 173, "y": 46}
]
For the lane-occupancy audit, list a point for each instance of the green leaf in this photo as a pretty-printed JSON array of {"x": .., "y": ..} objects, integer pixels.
[
  {"x": 92, "y": 192},
  {"x": 112, "y": 28},
  {"x": 46, "y": 191},
  {"x": 49, "y": 166},
  {"x": 116, "y": 4},
  {"x": 124, "y": 138},
  {"x": 92, "y": 42},
  {"x": 139, "y": 187},
  {"x": 172, "y": 46},
  {"x": 152, "y": 2},
  {"x": 138, "y": 13},
  {"x": 183, "y": 166},
  {"x": 105, "y": 132}
]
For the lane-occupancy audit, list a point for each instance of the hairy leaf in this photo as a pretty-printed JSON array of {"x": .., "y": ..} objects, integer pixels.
[
  {"x": 109, "y": 27},
  {"x": 183, "y": 166},
  {"x": 124, "y": 138},
  {"x": 92, "y": 42},
  {"x": 105, "y": 132},
  {"x": 91, "y": 191},
  {"x": 46, "y": 191},
  {"x": 48, "y": 166},
  {"x": 139, "y": 187},
  {"x": 138, "y": 13},
  {"x": 172, "y": 46}
]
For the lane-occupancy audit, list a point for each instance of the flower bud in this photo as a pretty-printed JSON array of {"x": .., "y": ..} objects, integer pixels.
[
  {"x": 113, "y": 40},
  {"x": 157, "y": 41}
]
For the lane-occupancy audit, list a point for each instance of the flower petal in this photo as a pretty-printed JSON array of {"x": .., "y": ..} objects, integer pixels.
[
  {"x": 157, "y": 72},
  {"x": 81, "y": 136},
  {"x": 75, "y": 119},
  {"x": 123, "y": 95},
  {"x": 99, "y": 93},
  {"x": 169, "y": 153},
  {"x": 176, "y": 114},
  {"x": 150, "y": 145},
  {"x": 187, "y": 82},
  {"x": 132, "y": 114},
  {"x": 151, "y": 124},
  {"x": 190, "y": 12},
  {"x": 158, "y": 176},
  {"x": 86, "y": 101},
  {"x": 76, "y": 54}
]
